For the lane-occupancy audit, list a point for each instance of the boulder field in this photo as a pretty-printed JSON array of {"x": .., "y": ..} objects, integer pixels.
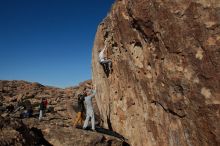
[{"x": 56, "y": 127}]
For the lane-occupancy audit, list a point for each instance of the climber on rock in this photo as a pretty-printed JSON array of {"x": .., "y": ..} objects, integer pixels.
[
  {"x": 89, "y": 109},
  {"x": 80, "y": 109},
  {"x": 105, "y": 62}
]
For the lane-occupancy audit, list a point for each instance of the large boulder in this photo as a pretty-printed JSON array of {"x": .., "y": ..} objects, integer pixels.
[{"x": 165, "y": 84}]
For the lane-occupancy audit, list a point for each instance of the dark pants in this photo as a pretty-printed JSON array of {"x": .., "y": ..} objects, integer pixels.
[
  {"x": 106, "y": 66},
  {"x": 26, "y": 113}
]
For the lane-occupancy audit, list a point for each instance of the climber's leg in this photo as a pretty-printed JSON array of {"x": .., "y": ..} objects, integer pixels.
[
  {"x": 93, "y": 120},
  {"x": 107, "y": 66},
  {"x": 110, "y": 66},
  {"x": 85, "y": 125}
]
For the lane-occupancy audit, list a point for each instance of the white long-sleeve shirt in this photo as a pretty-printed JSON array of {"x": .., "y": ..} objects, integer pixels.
[
  {"x": 102, "y": 55},
  {"x": 88, "y": 102}
]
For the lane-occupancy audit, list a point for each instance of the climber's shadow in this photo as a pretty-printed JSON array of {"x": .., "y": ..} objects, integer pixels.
[
  {"x": 106, "y": 131},
  {"x": 109, "y": 132}
]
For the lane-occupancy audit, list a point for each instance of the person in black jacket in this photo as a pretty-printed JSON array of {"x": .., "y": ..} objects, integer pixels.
[{"x": 80, "y": 109}]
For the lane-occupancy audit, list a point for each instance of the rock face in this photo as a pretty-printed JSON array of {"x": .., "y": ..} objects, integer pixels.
[
  {"x": 165, "y": 85},
  {"x": 56, "y": 127}
]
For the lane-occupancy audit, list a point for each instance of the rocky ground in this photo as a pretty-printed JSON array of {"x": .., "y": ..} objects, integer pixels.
[{"x": 56, "y": 127}]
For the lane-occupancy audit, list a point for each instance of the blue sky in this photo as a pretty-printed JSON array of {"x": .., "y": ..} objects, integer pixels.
[{"x": 49, "y": 41}]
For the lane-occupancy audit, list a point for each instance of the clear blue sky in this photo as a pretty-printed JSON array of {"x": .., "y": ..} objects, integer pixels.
[{"x": 49, "y": 41}]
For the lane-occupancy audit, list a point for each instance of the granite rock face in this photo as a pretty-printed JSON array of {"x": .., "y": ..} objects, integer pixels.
[{"x": 165, "y": 84}]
